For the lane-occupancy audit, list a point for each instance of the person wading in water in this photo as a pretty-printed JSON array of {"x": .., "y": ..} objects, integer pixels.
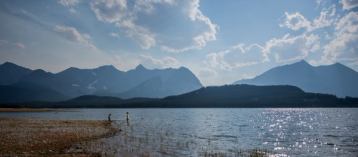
[
  {"x": 109, "y": 117},
  {"x": 127, "y": 118}
]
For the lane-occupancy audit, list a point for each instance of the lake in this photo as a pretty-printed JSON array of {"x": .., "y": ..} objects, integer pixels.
[{"x": 192, "y": 132}]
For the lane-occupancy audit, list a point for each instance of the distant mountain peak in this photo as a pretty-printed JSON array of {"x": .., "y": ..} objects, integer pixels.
[
  {"x": 10, "y": 73},
  {"x": 9, "y": 64},
  {"x": 302, "y": 62},
  {"x": 39, "y": 71},
  {"x": 140, "y": 67},
  {"x": 342, "y": 67},
  {"x": 108, "y": 67},
  {"x": 72, "y": 69},
  {"x": 338, "y": 64},
  {"x": 183, "y": 68},
  {"x": 106, "y": 80},
  {"x": 336, "y": 79}
]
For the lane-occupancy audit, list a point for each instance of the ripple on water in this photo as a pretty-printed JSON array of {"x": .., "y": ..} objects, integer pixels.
[{"x": 188, "y": 132}]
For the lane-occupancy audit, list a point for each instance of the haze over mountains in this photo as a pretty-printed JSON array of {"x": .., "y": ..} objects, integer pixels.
[
  {"x": 11, "y": 73},
  {"x": 104, "y": 81},
  {"x": 19, "y": 84},
  {"x": 334, "y": 79},
  {"x": 215, "y": 96}
]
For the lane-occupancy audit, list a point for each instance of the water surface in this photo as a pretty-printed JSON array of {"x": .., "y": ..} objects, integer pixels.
[{"x": 192, "y": 132}]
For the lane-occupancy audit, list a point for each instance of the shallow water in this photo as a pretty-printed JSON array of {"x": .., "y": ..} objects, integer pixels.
[{"x": 192, "y": 132}]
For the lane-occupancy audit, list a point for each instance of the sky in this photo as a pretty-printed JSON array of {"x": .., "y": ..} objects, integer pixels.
[{"x": 219, "y": 41}]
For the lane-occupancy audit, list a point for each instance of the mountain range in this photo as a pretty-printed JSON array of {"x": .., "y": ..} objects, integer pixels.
[
  {"x": 215, "y": 96},
  {"x": 336, "y": 79},
  {"x": 102, "y": 81},
  {"x": 295, "y": 85}
]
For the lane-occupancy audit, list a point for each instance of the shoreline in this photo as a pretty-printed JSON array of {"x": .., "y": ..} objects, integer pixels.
[
  {"x": 29, "y": 109},
  {"x": 35, "y": 137}
]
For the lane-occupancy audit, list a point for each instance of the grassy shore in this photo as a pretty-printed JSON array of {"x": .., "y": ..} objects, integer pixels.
[{"x": 33, "y": 137}]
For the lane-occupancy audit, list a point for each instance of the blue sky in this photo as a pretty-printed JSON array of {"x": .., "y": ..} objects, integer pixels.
[{"x": 220, "y": 41}]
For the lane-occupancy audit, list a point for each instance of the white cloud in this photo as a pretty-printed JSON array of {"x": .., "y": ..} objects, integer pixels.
[
  {"x": 345, "y": 42},
  {"x": 148, "y": 5},
  {"x": 74, "y": 35},
  {"x": 237, "y": 56},
  {"x": 118, "y": 13},
  {"x": 113, "y": 34},
  {"x": 319, "y": 2},
  {"x": 207, "y": 72},
  {"x": 125, "y": 61},
  {"x": 349, "y": 4},
  {"x": 326, "y": 18},
  {"x": 291, "y": 48},
  {"x": 164, "y": 62},
  {"x": 195, "y": 14},
  {"x": 200, "y": 40},
  {"x": 296, "y": 21},
  {"x": 142, "y": 35},
  {"x": 20, "y": 45},
  {"x": 8, "y": 44},
  {"x": 285, "y": 49},
  {"x": 325, "y": 39},
  {"x": 110, "y": 11},
  {"x": 176, "y": 50},
  {"x": 69, "y": 3},
  {"x": 124, "y": 15},
  {"x": 339, "y": 43}
]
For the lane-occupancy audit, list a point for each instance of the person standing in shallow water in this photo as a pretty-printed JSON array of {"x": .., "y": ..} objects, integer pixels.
[
  {"x": 109, "y": 117},
  {"x": 127, "y": 118}
]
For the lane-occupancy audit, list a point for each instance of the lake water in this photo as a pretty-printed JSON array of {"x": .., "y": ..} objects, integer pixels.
[{"x": 193, "y": 132}]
